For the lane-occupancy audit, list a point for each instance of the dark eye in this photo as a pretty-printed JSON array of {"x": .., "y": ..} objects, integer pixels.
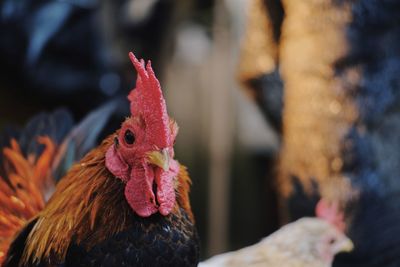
[
  {"x": 129, "y": 137},
  {"x": 332, "y": 241}
]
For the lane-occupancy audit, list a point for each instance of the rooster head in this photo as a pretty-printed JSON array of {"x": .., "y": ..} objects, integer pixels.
[{"x": 142, "y": 153}]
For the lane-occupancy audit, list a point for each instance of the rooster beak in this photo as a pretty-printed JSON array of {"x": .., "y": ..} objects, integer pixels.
[{"x": 159, "y": 158}]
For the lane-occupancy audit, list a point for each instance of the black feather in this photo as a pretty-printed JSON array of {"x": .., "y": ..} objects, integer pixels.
[
  {"x": 154, "y": 241},
  {"x": 82, "y": 137},
  {"x": 56, "y": 125},
  {"x": 17, "y": 246},
  {"x": 372, "y": 162}
]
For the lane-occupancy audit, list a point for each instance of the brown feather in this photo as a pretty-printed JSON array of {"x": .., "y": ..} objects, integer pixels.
[
  {"x": 183, "y": 191},
  {"x": 86, "y": 200}
]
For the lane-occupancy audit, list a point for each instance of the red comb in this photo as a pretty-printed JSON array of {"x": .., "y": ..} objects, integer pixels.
[
  {"x": 148, "y": 102},
  {"x": 330, "y": 213}
]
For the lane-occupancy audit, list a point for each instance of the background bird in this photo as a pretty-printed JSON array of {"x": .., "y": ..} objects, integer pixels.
[
  {"x": 125, "y": 203},
  {"x": 311, "y": 242}
]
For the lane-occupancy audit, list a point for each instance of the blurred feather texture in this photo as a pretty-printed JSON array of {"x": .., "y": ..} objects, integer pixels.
[{"x": 35, "y": 157}]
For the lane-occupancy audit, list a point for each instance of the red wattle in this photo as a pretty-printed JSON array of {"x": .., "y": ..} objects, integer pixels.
[
  {"x": 139, "y": 193},
  {"x": 165, "y": 187}
]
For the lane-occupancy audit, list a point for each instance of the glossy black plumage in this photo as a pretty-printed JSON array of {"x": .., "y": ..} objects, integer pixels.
[
  {"x": 17, "y": 247},
  {"x": 154, "y": 241}
]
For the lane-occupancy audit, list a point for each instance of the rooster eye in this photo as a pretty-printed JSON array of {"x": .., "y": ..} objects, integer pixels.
[{"x": 129, "y": 137}]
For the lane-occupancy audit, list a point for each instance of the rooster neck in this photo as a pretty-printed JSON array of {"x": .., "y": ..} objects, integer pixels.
[{"x": 89, "y": 204}]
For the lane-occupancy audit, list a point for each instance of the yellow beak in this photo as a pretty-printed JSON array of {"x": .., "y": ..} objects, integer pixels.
[
  {"x": 344, "y": 245},
  {"x": 159, "y": 158}
]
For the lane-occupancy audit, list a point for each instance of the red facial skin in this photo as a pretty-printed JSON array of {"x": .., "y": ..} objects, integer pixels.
[{"x": 149, "y": 188}]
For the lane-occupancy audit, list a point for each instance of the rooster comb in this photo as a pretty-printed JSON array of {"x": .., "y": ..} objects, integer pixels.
[{"x": 147, "y": 102}]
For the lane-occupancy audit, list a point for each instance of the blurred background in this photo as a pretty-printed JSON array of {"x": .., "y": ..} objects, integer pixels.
[
  {"x": 279, "y": 102},
  {"x": 74, "y": 54}
]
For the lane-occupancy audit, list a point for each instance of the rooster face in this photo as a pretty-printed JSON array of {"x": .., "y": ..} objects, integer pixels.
[
  {"x": 134, "y": 148},
  {"x": 142, "y": 153},
  {"x": 131, "y": 141}
]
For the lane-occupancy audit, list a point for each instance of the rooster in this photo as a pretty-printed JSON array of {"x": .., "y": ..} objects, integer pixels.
[{"x": 126, "y": 203}]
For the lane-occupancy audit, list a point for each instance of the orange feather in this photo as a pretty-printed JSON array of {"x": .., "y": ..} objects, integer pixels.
[{"x": 22, "y": 191}]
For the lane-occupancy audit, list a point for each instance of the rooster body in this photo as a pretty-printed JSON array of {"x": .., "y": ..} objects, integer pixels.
[{"x": 125, "y": 203}]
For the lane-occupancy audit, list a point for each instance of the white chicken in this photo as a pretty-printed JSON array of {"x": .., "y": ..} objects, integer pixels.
[{"x": 307, "y": 242}]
